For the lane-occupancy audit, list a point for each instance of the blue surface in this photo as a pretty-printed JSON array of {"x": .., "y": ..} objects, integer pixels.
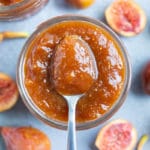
[{"x": 137, "y": 105}]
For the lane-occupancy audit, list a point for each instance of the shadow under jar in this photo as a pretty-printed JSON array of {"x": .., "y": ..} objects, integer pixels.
[
  {"x": 106, "y": 94},
  {"x": 18, "y": 9}
]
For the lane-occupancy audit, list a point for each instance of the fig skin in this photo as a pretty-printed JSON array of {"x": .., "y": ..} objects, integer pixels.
[
  {"x": 101, "y": 135},
  {"x": 81, "y": 4},
  {"x": 25, "y": 138},
  {"x": 8, "y": 92},
  {"x": 146, "y": 78},
  {"x": 113, "y": 13}
]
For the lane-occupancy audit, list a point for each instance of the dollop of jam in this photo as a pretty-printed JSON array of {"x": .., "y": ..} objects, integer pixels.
[{"x": 73, "y": 67}]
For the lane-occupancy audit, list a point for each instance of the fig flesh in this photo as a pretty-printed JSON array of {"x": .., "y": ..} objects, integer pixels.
[
  {"x": 24, "y": 138},
  {"x": 126, "y": 17},
  {"x": 117, "y": 135},
  {"x": 8, "y": 92}
]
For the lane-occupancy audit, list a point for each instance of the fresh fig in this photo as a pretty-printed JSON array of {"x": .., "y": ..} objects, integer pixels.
[
  {"x": 8, "y": 92},
  {"x": 146, "y": 78},
  {"x": 126, "y": 17},
  {"x": 117, "y": 135},
  {"x": 81, "y": 4},
  {"x": 25, "y": 138}
]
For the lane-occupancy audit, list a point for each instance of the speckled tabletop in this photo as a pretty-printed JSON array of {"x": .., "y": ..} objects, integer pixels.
[{"x": 136, "y": 108}]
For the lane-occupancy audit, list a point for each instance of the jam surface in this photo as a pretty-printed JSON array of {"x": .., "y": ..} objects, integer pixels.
[{"x": 104, "y": 91}]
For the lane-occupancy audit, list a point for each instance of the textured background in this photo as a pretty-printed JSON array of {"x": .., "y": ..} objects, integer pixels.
[{"x": 137, "y": 105}]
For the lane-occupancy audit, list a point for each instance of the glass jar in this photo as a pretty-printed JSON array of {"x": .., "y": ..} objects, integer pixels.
[
  {"x": 39, "y": 113},
  {"x": 21, "y": 9}
]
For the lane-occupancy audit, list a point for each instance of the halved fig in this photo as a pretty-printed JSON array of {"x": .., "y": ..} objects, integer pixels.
[
  {"x": 126, "y": 17},
  {"x": 8, "y": 92},
  {"x": 25, "y": 138},
  {"x": 81, "y": 4},
  {"x": 146, "y": 78},
  {"x": 117, "y": 135}
]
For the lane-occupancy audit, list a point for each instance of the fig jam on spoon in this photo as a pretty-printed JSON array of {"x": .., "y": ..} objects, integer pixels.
[{"x": 73, "y": 71}]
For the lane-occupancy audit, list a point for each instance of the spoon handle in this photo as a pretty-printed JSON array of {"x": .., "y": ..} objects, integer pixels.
[{"x": 72, "y": 127}]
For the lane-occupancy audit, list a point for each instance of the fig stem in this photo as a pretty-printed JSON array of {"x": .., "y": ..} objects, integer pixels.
[
  {"x": 11, "y": 35},
  {"x": 142, "y": 141}
]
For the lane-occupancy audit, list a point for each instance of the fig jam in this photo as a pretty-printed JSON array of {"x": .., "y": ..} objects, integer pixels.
[{"x": 104, "y": 92}]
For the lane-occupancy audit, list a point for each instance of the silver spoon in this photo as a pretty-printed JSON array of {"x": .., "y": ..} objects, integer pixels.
[
  {"x": 82, "y": 57},
  {"x": 72, "y": 101}
]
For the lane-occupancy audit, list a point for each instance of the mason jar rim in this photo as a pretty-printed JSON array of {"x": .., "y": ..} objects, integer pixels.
[{"x": 32, "y": 106}]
